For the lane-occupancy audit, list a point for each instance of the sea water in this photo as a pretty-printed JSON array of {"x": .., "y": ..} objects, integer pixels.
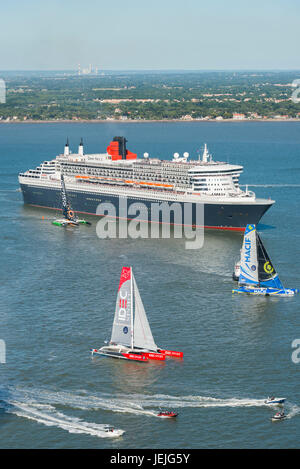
[{"x": 58, "y": 289}]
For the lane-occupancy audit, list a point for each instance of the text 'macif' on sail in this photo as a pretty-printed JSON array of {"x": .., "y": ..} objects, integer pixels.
[{"x": 257, "y": 273}]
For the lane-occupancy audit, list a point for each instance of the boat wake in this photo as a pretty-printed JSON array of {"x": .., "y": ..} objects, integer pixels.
[
  {"x": 161, "y": 400},
  {"x": 39, "y": 405},
  {"x": 166, "y": 401},
  {"x": 134, "y": 403},
  {"x": 292, "y": 411},
  {"x": 48, "y": 415},
  {"x": 84, "y": 401}
]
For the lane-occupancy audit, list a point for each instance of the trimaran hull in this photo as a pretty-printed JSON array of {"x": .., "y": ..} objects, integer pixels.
[
  {"x": 66, "y": 222},
  {"x": 286, "y": 292},
  {"x": 136, "y": 355},
  {"x": 140, "y": 357}
]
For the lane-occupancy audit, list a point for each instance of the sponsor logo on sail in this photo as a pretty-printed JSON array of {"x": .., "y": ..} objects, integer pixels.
[
  {"x": 123, "y": 303},
  {"x": 268, "y": 268},
  {"x": 247, "y": 249}
]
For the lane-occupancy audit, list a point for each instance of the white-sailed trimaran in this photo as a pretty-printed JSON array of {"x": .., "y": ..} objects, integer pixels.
[
  {"x": 131, "y": 336},
  {"x": 257, "y": 275}
]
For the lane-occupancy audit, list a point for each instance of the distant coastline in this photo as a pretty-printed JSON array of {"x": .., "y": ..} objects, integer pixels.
[
  {"x": 142, "y": 97},
  {"x": 140, "y": 121}
]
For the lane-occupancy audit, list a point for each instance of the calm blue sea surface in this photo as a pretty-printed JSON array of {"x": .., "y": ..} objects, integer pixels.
[{"x": 58, "y": 290}]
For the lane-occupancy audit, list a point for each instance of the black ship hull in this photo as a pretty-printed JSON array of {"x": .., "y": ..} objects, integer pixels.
[{"x": 231, "y": 216}]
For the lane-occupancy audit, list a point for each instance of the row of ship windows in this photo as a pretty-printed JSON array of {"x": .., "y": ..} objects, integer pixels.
[
  {"x": 167, "y": 168},
  {"x": 219, "y": 173},
  {"x": 111, "y": 173},
  {"x": 75, "y": 195},
  {"x": 220, "y": 189},
  {"x": 212, "y": 185},
  {"x": 224, "y": 179},
  {"x": 127, "y": 173},
  {"x": 125, "y": 170},
  {"x": 170, "y": 176},
  {"x": 121, "y": 196}
]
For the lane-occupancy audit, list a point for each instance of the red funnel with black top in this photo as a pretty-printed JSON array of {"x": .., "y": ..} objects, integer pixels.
[{"x": 118, "y": 151}]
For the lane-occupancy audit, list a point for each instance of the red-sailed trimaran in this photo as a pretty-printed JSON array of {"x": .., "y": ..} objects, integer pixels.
[{"x": 131, "y": 337}]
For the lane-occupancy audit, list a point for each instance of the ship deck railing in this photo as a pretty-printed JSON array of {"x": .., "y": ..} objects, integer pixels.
[{"x": 144, "y": 194}]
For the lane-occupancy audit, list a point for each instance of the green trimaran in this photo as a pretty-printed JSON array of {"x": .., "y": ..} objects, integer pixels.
[{"x": 70, "y": 219}]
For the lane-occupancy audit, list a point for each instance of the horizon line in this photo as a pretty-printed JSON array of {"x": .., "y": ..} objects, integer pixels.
[{"x": 157, "y": 70}]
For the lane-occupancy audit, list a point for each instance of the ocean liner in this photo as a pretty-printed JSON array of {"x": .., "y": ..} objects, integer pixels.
[{"x": 93, "y": 179}]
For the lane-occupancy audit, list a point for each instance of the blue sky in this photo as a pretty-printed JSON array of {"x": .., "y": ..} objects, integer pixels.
[{"x": 149, "y": 34}]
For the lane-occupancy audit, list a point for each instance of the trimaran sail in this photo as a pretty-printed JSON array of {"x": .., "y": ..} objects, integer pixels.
[
  {"x": 257, "y": 273},
  {"x": 131, "y": 327},
  {"x": 66, "y": 206},
  {"x": 131, "y": 336}
]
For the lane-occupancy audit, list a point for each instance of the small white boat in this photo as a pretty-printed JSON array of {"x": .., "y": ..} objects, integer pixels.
[
  {"x": 237, "y": 270},
  {"x": 275, "y": 400},
  {"x": 279, "y": 416},
  {"x": 113, "y": 433}
]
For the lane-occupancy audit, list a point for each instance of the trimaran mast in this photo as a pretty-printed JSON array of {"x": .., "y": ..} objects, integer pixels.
[{"x": 131, "y": 306}]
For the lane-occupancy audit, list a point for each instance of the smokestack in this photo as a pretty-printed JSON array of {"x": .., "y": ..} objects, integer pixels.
[
  {"x": 80, "y": 148},
  {"x": 205, "y": 156},
  {"x": 122, "y": 146},
  {"x": 67, "y": 149}
]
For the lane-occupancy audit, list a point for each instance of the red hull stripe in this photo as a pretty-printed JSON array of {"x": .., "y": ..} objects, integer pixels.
[
  {"x": 155, "y": 356},
  {"x": 172, "y": 353},
  {"x": 208, "y": 227},
  {"x": 133, "y": 356}
]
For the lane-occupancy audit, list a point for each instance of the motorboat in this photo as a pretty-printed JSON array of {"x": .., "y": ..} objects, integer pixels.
[
  {"x": 275, "y": 400},
  {"x": 279, "y": 416},
  {"x": 167, "y": 414}
]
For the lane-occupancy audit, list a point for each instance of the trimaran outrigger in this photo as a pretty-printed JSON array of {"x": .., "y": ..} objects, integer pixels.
[
  {"x": 70, "y": 219},
  {"x": 131, "y": 337},
  {"x": 257, "y": 275}
]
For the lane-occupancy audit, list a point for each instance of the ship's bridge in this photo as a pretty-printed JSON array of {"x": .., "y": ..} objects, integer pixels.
[{"x": 220, "y": 179}]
